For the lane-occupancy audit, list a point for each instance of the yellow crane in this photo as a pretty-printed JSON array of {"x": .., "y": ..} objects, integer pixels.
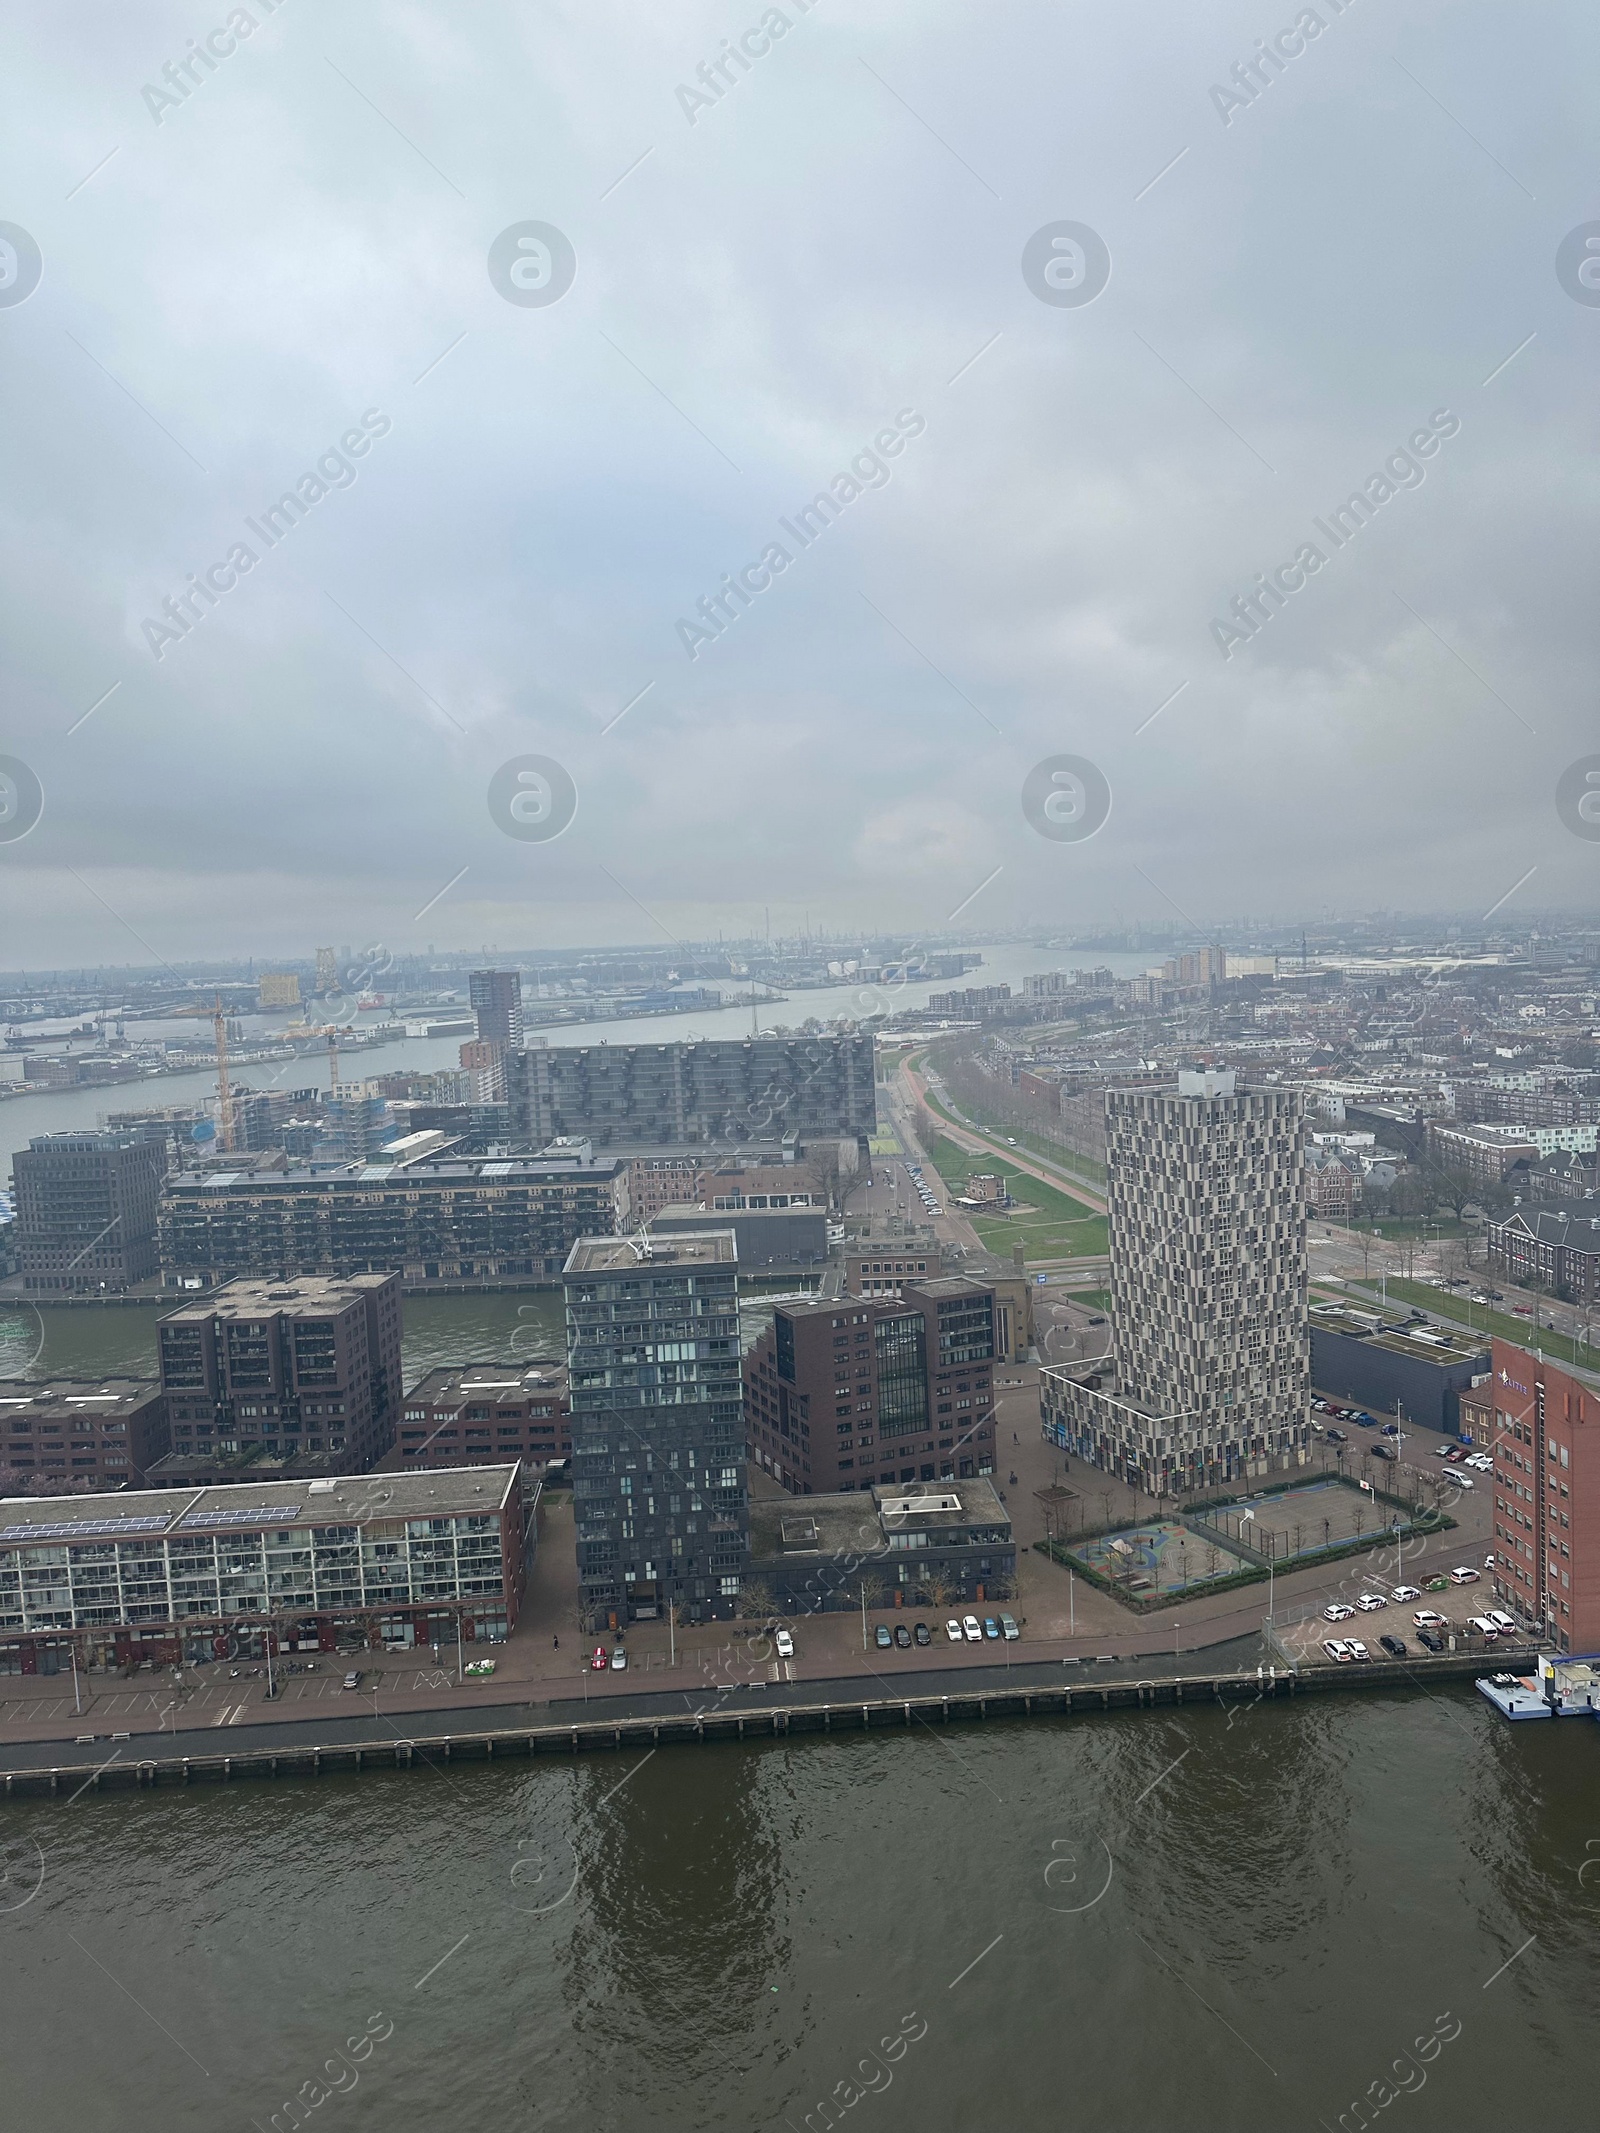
[{"x": 224, "y": 1093}]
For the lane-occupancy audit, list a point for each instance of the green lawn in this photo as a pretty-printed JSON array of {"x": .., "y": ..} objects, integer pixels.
[
  {"x": 1447, "y": 1304},
  {"x": 977, "y": 1120},
  {"x": 1049, "y": 1223}
]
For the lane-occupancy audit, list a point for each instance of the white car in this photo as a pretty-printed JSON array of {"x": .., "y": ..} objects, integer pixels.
[
  {"x": 1370, "y": 1602},
  {"x": 1502, "y": 1622},
  {"x": 952, "y": 1630},
  {"x": 1338, "y": 1612},
  {"x": 1462, "y": 1481},
  {"x": 1483, "y": 1625},
  {"x": 1336, "y": 1648},
  {"x": 1429, "y": 1618},
  {"x": 785, "y": 1645},
  {"x": 1357, "y": 1649},
  {"x": 970, "y": 1625},
  {"x": 1464, "y": 1574},
  {"x": 1482, "y": 1462},
  {"x": 1406, "y": 1592}
]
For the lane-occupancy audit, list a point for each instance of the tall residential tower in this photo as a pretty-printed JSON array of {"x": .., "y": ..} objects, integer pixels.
[
  {"x": 1209, "y": 1376},
  {"x": 658, "y": 1453}
]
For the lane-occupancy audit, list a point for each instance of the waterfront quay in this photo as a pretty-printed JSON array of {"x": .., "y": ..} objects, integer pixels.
[{"x": 735, "y": 1711}]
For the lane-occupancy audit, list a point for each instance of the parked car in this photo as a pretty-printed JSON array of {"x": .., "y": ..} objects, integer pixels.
[
  {"x": 1430, "y": 1640},
  {"x": 1488, "y": 1561},
  {"x": 952, "y": 1630},
  {"x": 991, "y": 1628},
  {"x": 884, "y": 1640},
  {"x": 1336, "y": 1436},
  {"x": 785, "y": 1644},
  {"x": 1336, "y": 1648},
  {"x": 619, "y": 1661},
  {"x": 1394, "y": 1646},
  {"x": 1357, "y": 1649},
  {"x": 902, "y": 1636},
  {"x": 1370, "y": 1602},
  {"x": 1464, "y": 1574},
  {"x": 922, "y": 1633},
  {"x": 352, "y": 1680},
  {"x": 1502, "y": 1621},
  {"x": 1429, "y": 1618},
  {"x": 969, "y": 1625},
  {"x": 1391, "y": 1429},
  {"x": 1438, "y": 1584},
  {"x": 1462, "y": 1481},
  {"x": 1337, "y": 1612},
  {"x": 1405, "y": 1592},
  {"x": 600, "y": 1661},
  {"x": 1009, "y": 1629},
  {"x": 1483, "y": 1625},
  {"x": 1455, "y": 1451},
  {"x": 1382, "y": 1450}
]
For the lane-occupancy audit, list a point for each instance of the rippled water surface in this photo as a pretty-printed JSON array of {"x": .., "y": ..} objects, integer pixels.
[{"x": 1188, "y": 1920}]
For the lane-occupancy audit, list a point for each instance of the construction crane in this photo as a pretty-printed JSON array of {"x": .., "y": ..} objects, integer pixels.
[
  {"x": 224, "y": 1093},
  {"x": 333, "y": 1063}
]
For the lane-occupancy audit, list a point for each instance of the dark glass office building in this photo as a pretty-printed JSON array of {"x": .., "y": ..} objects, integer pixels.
[{"x": 658, "y": 1454}]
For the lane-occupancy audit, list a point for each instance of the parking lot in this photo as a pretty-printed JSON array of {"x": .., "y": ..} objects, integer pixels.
[{"x": 1448, "y": 1601}]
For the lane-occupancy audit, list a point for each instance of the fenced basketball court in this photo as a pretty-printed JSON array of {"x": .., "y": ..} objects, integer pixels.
[{"x": 1302, "y": 1522}]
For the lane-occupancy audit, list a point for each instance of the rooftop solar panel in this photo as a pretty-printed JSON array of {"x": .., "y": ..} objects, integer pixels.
[
  {"x": 73, "y": 1528},
  {"x": 261, "y": 1515}
]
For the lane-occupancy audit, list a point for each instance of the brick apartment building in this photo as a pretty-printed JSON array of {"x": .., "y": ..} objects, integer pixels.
[
  {"x": 281, "y": 1378},
  {"x": 365, "y": 1562},
  {"x": 1554, "y": 1247},
  {"x": 486, "y": 1413},
  {"x": 74, "y": 1433},
  {"x": 1547, "y": 1495},
  {"x": 855, "y": 1393},
  {"x": 86, "y": 1211},
  {"x": 1488, "y": 1152},
  {"x": 439, "y": 1221}
]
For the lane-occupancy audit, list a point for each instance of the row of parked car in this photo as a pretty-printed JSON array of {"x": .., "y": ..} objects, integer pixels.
[
  {"x": 1432, "y": 1627},
  {"x": 967, "y": 1630},
  {"x": 923, "y": 1189}
]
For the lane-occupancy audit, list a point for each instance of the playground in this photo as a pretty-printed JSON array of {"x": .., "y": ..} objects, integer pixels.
[
  {"x": 1161, "y": 1557},
  {"x": 1303, "y": 1522}
]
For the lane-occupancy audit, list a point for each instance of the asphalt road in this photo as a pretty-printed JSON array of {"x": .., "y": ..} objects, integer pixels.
[{"x": 1242, "y": 1655}]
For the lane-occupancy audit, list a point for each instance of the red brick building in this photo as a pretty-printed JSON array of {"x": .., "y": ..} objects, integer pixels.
[
  {"x": 485, "y": 1414},
  {"x": 847, "y": 1394},
  {"x": 72, "y": 1433},
  {"x": 1547, "y": 1495}
]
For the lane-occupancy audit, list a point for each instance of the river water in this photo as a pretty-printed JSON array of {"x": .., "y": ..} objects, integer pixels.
[
  {"x": 1186, "y": 1920},
  {"x": 73, "y": 1110}
]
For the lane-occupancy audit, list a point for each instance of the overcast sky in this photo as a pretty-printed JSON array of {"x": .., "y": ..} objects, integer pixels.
[{"x": 829, "y": 249}]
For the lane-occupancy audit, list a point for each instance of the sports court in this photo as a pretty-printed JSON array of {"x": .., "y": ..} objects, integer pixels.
[
  {"x": 1160, "y": 1557},
  {"x": 1326, "y": 1513}
]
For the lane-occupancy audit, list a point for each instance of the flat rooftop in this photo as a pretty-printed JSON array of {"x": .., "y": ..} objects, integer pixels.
[
  {"x": 1430, "y": 1343},
  {"x": 861, "y": 1523},
  {"x": 525, "y": 1374},
  {"x": 76, "y": 1396},
  {"x": 265, "y": 1299},
  {"x": 686, "y": 1248},
  {"x": 449, "y": 1492}
]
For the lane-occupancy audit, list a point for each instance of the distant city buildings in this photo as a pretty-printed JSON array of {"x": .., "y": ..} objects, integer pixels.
[
  {"x": 297, "y": 1377},
  {"x": 884, "y": 1391},
  {"x": 278, "y": 989},
  {"x": 86, "y": 1211},
  {"x": 658, "y": 1455},
  {"x": 1209, "y": 1377},
  {"x": 496, "y": 1000},
  {"x": 716, "y": 1092}
]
